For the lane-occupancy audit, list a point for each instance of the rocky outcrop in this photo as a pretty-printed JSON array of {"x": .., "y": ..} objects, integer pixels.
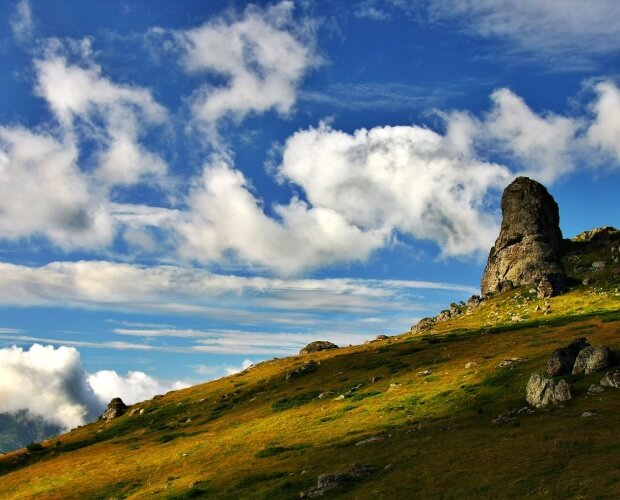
[
  {"x": 542, "y": 392},
  {"x": 592, "y": 359},
  {"x": 116, "y": 408},
  {"x": 563, "y": 359},
  {"x": 318, "y": 345},
  {"x": 527, "y": 251}
]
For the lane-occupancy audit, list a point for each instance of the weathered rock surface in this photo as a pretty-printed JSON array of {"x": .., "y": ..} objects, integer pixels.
[
  {"x": 340, "y": 480},
  {"x": 318, "y": 345},
  {"x": 563, "y": 359},
  {"x": 527, "y": 250},
  {"x": 116, "y": 408},
  {"x": 592, "y": 359},
  {"x": 611, "y": 379},
  {"x": 542, "y": 392}
]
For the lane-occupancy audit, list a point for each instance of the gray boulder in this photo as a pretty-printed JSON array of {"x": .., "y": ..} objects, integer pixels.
[
  {"x": 340, "y": 480},
  {"x": 611, "y": 379},
  {"x": 542, "y": 392},
  {"x": 527, "y": 250},
  {"x": 563, "y": 359},
  {"x": 592, "y": 359},
  {"x": 318, "y": 345},
  {"x": 116, "y": 408}
]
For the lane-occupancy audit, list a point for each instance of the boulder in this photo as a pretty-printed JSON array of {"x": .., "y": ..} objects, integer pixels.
[
  {"x": 116, "y": 408},
  {"x": 592, "y": 359},
  {"x": 340, "y": 480},
  {"x": 527, "y": 250},
  {"x": 563, "y": 359},
  {"x": 611, "y": 379},
  {"x": 318, "y": 345},
  {"x": 542, "y": 392},
  {"x": 423, "y": 325}
]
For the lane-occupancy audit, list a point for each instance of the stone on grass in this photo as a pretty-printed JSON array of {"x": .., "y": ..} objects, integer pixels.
[
  {"x": 592, "y": 359},
  {"x": 542, "y": 392},
  {"x": 318, "y": 345},
  {"x": 611, "y": 379},
  {"x": 563, "y": 359},
  {"x": 116, "y": 408}
]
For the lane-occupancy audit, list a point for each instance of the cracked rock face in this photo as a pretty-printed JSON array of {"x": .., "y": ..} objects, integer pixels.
[{"x": 527, "y": 250}]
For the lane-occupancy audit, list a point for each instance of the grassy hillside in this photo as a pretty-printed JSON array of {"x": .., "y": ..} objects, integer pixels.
[{"x": 432, "y": 435}]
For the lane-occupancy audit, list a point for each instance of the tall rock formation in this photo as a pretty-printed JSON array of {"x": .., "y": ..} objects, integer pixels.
[{"x": 527, "y": 251}]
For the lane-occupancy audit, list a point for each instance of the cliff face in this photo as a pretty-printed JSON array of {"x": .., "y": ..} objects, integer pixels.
[{"x": 527, "y": 250}]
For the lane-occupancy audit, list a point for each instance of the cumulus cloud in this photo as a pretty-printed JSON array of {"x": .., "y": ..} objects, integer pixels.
[
  {"x": 571, "y": 28},
  {"x": 262, "y": 55},
  {"x": 51, "y": 383},
  {"x": 134, "y": 387},
  {"x": 604, "y": 132},
  {"x": 85, "y": 95},
  {"x": 45, "y": 193}
]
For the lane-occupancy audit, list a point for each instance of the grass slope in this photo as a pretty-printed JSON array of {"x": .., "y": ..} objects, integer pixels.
[{"x": 257, "y": 435}]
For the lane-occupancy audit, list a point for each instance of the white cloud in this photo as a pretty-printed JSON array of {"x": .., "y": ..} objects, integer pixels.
[
  {"x": 21, "y": 21},
  {"x": 134, "y": 387},
  {"x": 604, "y": 132},
  {"x": 49, "y": 382},
  {"x": 44, "y": 193},
  {"x": 565, "y": 31},
  {"x": 262, "y": 56},
  {"x": 224, "y": 217},
  {"x": 117, "y": 286},
  {"x": 231, "y": 370},
  {"x": 84, "y": 95},
  {"x": 52, "y": 383}
]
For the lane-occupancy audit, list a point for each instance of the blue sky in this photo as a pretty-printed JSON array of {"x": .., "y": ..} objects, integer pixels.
[{"x": 192, "y": 186}]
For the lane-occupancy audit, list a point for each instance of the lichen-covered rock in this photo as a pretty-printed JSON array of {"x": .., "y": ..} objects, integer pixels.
[
  {"x": 611, "y": 379},
  {"x": 318, "y": 345},
  {"x": 116, "y": 408},
  {"x": 563, "y": 359},
  {"x": 542, "y": 392},
  {"x": 340, "y": 480},
  {"x": 592, "y": 359},
  {"x": 527, "y": 250},
  {"x": 423, "y": 325}
]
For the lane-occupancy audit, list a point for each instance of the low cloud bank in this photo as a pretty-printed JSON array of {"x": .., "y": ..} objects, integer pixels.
[{"x": 51, "y": 383}]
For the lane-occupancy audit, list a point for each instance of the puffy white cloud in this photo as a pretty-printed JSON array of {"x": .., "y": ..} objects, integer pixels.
[
  {"x": 231, "y": 370},
  {"x": 44, "y": 193},
  {"x": 51, "y": 383},
  {"x": 572, "y": 28},
  {"x": 21, "y": 21},
  {"x": 224, "y": 217},
  {"x": 405, "y": 178},
  {"x": 85, "y": 95},
  {"x": 542, "y": 144},
  {"x": 134, "y": 387},
  {"x": 262, "y": 56},
  {"x": 604, "y": 131}
]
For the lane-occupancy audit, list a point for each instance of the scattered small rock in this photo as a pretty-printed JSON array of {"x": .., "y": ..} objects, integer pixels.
[
  {"x": 424, "y": 373},
  {"x": 382, "y": 337},
  {"x": 600, "y": 264},
  {"x": 595, "y": 389},
  {"x": 542, "y": 392},
  {"x": 375, "y": 379},
  {"x": 470, "y": 365},
  {"x": 326, "y": 394},
  {"x": 509, "y": 362},
  {"x": 611, "y": 379},
  {"x": 339, "y": 398},
  {"x": 587, "y": 281},
  {"x": 374, "y": 439},
  {"x": 588, "y": 414}
]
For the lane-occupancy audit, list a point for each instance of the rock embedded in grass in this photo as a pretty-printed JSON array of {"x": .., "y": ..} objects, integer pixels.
[
  {"x": 592, "y": 359},
  {"x": 116, "y": 408},
  {"x": 611, "y": 379},
  {"x": 542, "y": 392},
  {"x": 318, "y": 345},
  {"x": 563, "y": 359}
]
